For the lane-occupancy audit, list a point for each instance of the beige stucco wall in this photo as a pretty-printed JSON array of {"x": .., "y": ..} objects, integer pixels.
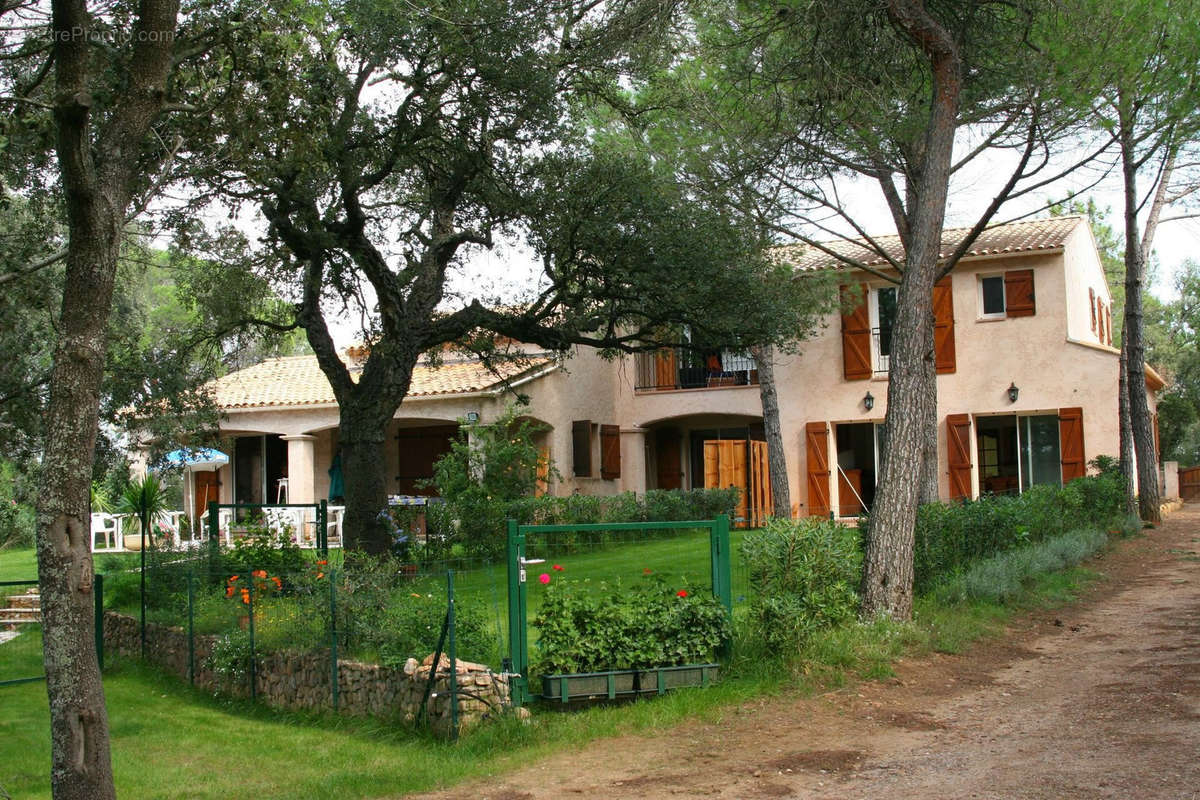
[{"x": 1082, "y": 271}]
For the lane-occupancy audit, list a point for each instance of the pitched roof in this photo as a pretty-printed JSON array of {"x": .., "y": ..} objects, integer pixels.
[
  {"x": 299, "y": 381},
  {"x": 1027, "y": 236}
]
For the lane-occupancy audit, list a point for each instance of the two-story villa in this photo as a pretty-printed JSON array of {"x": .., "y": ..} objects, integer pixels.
[{"x": 1027, "y": 394}]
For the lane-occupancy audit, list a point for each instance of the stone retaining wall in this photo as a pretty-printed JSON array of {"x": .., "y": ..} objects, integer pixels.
[{"x": 303, "y": 681}]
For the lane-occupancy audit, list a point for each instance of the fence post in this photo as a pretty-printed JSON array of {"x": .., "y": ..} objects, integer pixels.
[
  {"x": 722, "y": 573},
  {"x": 145, "y": 519},
  {"x": 192, "y": 627},
  {"x": 323, "y": 528},
  {"x": 333, "y": 644},
  {"x": 98, "y": 597},
  {"x": 253, "y": 655},
  {"x": 453, "y": 656},
  {"x": 516, "y": 623}
]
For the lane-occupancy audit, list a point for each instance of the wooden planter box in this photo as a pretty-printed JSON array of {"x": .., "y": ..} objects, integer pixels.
[{"x": 625, "y": 682}]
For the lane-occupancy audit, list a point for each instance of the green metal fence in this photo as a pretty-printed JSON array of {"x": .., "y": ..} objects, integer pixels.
[
  {"x": 530, "y": 545},
  {"x": 23, "y": 654}
]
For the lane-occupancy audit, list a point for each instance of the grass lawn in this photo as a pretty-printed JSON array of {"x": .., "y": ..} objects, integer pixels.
[{"x": 18, "y": 565}]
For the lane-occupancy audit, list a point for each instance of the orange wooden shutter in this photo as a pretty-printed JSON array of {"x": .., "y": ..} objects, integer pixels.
[
  {"x": 1108, "y": 325},
  {"x": 943, "y": 325},
  {"x": 1093, "y": 305},
  {"x": 610, "y": 452},
  {"x": 1070, "y": 433},
  {"x": 761, "y": 506},
  {"x": 665, "y": 374},
  {"x": 816, "y": 439},
  {"x": 958, "y": 455},
  {"x": 1018, "y": 293},
  {"x": 856, "y": 333}
]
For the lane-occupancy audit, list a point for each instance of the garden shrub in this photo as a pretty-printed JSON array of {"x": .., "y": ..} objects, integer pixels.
[
  {"x": 1003, "y": 576},
  {"x": 595, "y": 628},
  {"x": 803, "y": 576},
  {"x": 947, "y": 538}
]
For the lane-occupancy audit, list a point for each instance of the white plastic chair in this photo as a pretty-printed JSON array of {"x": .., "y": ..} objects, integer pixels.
[
  {"x": 104, "y": 525},
  {"x": 333, "y": 529}
]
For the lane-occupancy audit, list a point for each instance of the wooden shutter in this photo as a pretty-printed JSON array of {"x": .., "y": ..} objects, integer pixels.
[
  {"x": 725, "y": 468},
  {"x": 581, "y": 447},
  {"x": 666, "y": 375},
  {"x": 816, "y": 445},
  {"x": 958, "y": 455},
  {"x": 1070, "y": 433},
  {"x": 943, "y": 325},
  {"x": 543, "y": 472},
  {"x": 610, "y": 452},
  {"x": 1108, "y": 325},
  {"x": 761, "y": 506},
  {"x": 856, "y": 333},
  {"x": 1093, "y": 305},
  {"x": 1018, "y": 293}
]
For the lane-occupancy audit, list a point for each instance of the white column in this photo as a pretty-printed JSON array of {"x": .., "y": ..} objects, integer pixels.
[{"x": 301, "y": 462}]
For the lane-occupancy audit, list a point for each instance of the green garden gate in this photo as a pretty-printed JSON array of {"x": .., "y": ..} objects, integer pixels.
[{"x": 518, "y": 633}]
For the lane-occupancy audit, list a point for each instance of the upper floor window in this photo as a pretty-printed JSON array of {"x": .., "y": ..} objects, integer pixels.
[
  {"x": 883, "y": 315},
  {"x": 1006, "y": 294},
  {"x": 991, "y": 288}
]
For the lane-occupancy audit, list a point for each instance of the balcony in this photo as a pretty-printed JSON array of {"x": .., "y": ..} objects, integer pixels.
[{"x": 680, "y": 368}]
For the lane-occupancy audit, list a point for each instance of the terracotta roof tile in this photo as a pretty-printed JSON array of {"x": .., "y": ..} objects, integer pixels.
[
  {"x": 1027, "y": 236},
  {"x": 298, "y": 381}
]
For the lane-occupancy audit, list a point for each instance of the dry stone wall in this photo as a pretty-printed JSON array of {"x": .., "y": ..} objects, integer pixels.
[{"x": 303, "y": 681}]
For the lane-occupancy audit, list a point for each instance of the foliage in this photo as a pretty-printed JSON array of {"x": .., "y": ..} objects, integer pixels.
[
  {"x": 950, "y": 537},
  {"x": 498, "y": 460},
  {"x": 803, "y": 575},
  {"x": 16, "y": 516},
  {"x": 1005, "y": 576},
  {"x": 145, "y": 498},
  {"x": 380, "y": 611},
  {"x": 592, "y": 629},
  {"x": 263, "y": 548},
  {"x": 476, "y": 526}
]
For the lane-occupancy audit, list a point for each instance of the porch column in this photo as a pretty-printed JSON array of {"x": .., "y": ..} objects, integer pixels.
[
  {"x": 301, "y": 461},
  {"x": 633, "y": 460}
]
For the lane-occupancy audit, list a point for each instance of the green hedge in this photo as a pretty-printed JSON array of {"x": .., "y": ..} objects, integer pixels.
[{"x": 949, "y": 537}]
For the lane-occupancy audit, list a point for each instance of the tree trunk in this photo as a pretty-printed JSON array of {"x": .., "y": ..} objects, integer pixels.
[
  {"x": 365, "y": 469},
  {"x": 99, "y": 167},
  {"x": 776, "y": 455},
  {"x": 81, "y": 766},
  {"x": 887, "y": 587},
  {"x": 1127, "y": 466},
  {"x": 1133, "y": 337}
]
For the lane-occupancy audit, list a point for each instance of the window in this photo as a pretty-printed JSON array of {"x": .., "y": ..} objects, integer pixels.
[
  {"x": 883, "y": 313},
  {"x": 581, "y": 448},
  {"x": 1016, "y": 452},
  {"x": 1009, "y": 294},
  {"x": 992, "y": 291}
]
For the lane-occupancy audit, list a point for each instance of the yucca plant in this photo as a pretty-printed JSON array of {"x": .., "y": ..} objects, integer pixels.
[
  {"x": 100, "y": 501},
  {"x": 144, "y": 498}
]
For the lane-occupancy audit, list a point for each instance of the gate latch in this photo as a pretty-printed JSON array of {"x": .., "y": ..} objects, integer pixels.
[{"x": 522, "y": 561}]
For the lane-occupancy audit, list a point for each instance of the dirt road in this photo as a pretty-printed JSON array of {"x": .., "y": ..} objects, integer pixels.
[{"x": 1100, "y": 700}]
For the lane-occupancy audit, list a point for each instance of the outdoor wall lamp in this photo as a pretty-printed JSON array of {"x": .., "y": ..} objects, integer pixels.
[
  {"x": 868, "y": 402},
  {"x": 472, "y": 416},
  {"x": 1013, "y": 391}
]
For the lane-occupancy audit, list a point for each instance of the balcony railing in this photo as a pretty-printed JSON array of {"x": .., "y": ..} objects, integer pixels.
[
  {"x": 881, "y": 347},
  {"x": 679, "y": 368}
]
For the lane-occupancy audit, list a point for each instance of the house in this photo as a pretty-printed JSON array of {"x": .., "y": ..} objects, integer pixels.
[{"x": 1027, "y": 394}]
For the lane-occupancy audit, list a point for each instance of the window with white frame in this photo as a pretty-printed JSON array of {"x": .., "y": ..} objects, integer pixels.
[
  {"x": 883, "y": 320},
  {"x": 991, "y": 297}
]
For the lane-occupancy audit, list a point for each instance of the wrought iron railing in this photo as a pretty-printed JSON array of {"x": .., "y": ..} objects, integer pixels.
[
  {"x": 680, "y": 368},
  {"x": 881, "y": 347}
]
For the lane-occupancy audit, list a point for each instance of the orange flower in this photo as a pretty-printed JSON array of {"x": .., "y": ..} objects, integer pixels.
[
  {"x": 232, "y": 578},
  {"x": 246, "y": 596},
  {"x": 278, "y": 583},
  {"x": 229, "y": 591},
  {"x": 259, "y": 573},
  {"x": 320, "y": 575},
  {"x": 322, "y": 562}
]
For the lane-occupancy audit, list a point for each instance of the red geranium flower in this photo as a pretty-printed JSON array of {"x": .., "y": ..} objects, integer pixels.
[
  {"x": 557, "y": 568},
  {"x": 681, "y": 593},
  {"x": 646, "y": 571}
]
